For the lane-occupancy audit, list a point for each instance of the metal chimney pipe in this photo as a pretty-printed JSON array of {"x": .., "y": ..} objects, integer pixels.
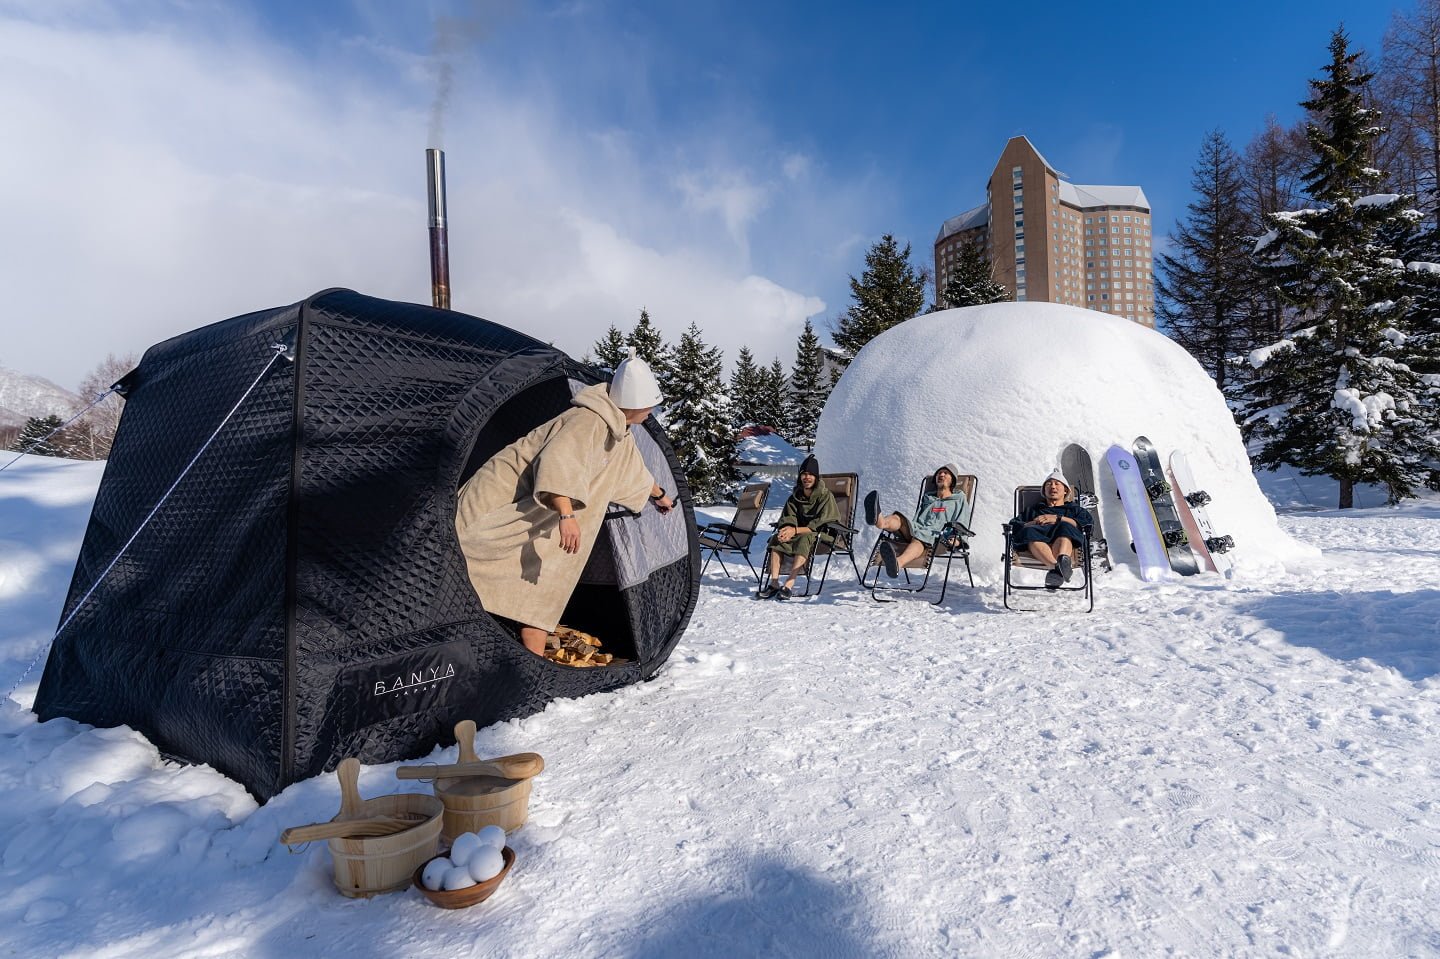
[{"x": 439, "y": 230}]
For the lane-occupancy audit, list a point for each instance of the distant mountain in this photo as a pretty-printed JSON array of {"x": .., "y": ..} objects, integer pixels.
[{"x": 23, "y": 396}]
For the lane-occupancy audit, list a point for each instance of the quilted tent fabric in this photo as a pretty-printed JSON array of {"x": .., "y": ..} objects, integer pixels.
[{"x": 301, "y": 596}]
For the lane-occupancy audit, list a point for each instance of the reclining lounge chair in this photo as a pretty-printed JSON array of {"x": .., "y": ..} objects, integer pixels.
[
  {"x": 735, "y": 536},
  {"x": 924, "y": 564},
  {"x": 1026, "y": 497},
  {"x": 835, "y": 539}
]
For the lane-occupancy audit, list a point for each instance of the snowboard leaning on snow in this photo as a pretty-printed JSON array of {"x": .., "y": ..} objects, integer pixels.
[
  {"x": 1158, "y": 488},
  {"x": 1144, "y": 531},
  {"x": 1076, "y": 465},
  {"x": 1192, "y": 503}
]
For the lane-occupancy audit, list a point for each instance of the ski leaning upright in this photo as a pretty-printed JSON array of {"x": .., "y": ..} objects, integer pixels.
[
  {"x": 1149, "y": 548},
  {"x": 1075, "y": 464},
  {"x": 1192, "y": 502},
  {"x": 1158, "y": 488}
]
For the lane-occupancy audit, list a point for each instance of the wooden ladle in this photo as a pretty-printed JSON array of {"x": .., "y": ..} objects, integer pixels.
[
  {"x": 516, "y": 766},
  {"x": 352, "y": 821}
]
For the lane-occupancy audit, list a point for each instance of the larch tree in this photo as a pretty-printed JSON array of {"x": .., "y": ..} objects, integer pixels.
[
  {"x": 889, "y": 292},
  {"x": 1206, "y": 286},
  {"x": 1340, "y": 396}
]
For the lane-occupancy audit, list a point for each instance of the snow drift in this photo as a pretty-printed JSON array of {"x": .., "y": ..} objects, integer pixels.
[{"x": 1002, "y": 389}]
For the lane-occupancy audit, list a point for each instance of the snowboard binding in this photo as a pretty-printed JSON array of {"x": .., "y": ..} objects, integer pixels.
[
  {"x": 1197, "y": 499},
  {"x": 1220, "y": 544}
]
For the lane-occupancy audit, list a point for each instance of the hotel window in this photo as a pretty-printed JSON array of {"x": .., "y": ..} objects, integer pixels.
[
  {"x": 1127, "y": 220},
  {"x": 1104, "y": 296},
  {"x": 1091, "y": 298},
  {"x": 1114, "y": 219}
]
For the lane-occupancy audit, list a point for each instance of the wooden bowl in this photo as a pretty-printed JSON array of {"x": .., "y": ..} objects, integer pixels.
[
  {"x": 379, "y": 864},
  {"x": 470, "y": 895}
]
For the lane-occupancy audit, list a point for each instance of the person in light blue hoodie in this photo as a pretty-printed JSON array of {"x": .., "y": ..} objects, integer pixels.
[{"x": 936, "y": 511}]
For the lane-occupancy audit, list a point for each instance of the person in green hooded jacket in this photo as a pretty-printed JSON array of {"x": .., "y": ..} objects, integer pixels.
[{"x": 807, "y": 510}]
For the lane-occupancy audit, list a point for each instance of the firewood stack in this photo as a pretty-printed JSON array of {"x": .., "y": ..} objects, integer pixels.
[{"x": 570, "y": 647}]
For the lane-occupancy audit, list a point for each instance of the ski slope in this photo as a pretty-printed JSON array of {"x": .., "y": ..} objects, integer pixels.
[{"x": 1204, "y": 768}]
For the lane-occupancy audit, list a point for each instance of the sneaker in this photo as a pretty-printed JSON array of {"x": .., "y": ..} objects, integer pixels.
[
  {"x": 1064, "y": 567},
  {"x": 887, "y": 557},
  {"x": 1053, "y": 579},
  {"x": 770, "y": 590},
  {"x": 784, "y": 593},
  {"x": 872, "y": 508}
]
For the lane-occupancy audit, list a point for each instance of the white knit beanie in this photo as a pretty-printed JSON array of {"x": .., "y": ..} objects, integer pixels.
[
  {"x": 1056, "y": 474},
  {"x": 633, "y": 387}
]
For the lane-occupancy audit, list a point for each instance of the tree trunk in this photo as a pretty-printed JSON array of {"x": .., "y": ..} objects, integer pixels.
[{"x": 1347, "y": 494}]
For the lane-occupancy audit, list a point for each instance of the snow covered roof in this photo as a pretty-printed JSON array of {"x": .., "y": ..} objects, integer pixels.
[
  {"x": 979, "y": 216},
  {"x": 1041, "y": 157},
  {"x": 1092, "y": 196},
  {"x": 768, "y": 450}
]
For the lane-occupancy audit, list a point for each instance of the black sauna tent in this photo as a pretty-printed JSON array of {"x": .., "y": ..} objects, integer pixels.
[{"x": 301, "y": 596}]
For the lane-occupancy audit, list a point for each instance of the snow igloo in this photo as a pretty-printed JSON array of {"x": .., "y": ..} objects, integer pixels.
[{"x": 1002, "y": 389}]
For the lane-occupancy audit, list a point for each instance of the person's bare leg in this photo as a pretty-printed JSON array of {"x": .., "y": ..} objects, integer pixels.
[
  {"x": 534, "y": 639},
  {"x": 774, "y": 564},
  {"x": 913, "y": 550},
  {"x": 797, "y": 563},
  {"x": 1043, "y": 553},
  {"x": 890, "y": 522},
  {"x": 1066, "y": 548}
]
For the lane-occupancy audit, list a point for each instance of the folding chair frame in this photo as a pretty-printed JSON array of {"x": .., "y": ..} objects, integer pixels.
[
  {"x": 1025, "y": 497},
  {"x": 966, "y": 484},
  {"x": 717, "y": 538}
]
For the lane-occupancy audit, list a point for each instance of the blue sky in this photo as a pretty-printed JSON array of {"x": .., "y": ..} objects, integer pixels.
[{"x": 171, "y": 162}]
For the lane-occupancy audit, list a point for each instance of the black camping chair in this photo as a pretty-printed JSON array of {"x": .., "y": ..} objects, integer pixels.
[
  {"x": 735, "y": 536},
  {"x": 835, "y": 539},
  {"x": 953, "y": 543},
  {"x": 1026, "y": 497}
]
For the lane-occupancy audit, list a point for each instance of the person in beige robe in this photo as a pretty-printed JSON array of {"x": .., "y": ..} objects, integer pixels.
[{"x": 529, "y": 517}]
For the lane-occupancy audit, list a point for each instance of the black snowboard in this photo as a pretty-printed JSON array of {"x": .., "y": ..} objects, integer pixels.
[
  {"x": 1076, "y": 465},
  {"x": 1172, "y": 530}
]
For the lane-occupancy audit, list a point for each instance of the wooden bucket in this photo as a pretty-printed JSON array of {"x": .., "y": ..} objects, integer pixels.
[
  {"x": 474, "y": 802},
  {"x": 370, "y": 866}
]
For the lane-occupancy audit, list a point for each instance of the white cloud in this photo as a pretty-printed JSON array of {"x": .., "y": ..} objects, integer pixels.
[{"x": 160, "y": 178}]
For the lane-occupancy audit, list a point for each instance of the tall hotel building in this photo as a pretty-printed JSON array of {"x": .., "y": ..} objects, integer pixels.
[{"x": 1056, "y": 241}]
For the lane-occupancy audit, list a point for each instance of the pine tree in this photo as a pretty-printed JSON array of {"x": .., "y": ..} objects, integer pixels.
[
  {"x": 1341, "y": 397},
  {"x": 650, "y": 346},
  {"x": 1207, "y": 286},
  {"x": 972, "y": 282},
  {"x": 888, "y": 293},
  {"x": 744, "y": 389},
  {"x": 697, "y": 417},
  {"x": 809, "y": 388},
  {"x": 770, "y": 398},
  {"x": 610, "y": 349},
  {"x": 32, "y": 438}
]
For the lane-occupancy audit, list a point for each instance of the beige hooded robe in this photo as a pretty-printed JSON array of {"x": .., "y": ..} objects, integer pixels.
[{"x": 508, "y": 532}]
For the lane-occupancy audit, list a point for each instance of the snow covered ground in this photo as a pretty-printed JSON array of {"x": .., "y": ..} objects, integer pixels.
[{"x": 1202, "y": 768}]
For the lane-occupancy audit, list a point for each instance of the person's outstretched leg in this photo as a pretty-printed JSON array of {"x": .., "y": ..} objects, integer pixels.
[{"x": 534, "y": 639}]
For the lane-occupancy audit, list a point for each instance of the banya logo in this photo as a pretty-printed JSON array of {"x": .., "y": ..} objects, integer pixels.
[{"x": 416, "y": 681}]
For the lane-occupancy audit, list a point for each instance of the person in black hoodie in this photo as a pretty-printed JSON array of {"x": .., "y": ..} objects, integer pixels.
[{"x": 809, "y": 508}]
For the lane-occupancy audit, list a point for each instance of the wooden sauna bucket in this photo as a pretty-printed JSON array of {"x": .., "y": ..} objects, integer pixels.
[
  {"x": 377, "y": 864},
  {"x": 474, "y": 802}
]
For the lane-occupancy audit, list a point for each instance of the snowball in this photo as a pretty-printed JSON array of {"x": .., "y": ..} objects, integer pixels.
[
  {"x": 433, "y": 876},
  {"x": 464, "y": 845},
  {"x": 492, "y": 836},
  {"x": 457, "y": 877},
  {"x": 486, "y": 863},
  {"x": 1002, "y": 389}
]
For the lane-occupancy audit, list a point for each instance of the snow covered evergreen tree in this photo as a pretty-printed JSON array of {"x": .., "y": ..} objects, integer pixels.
[
  {"x": 32, "y": 438},
  {"x": 972, "y": 282},
  {"x": 650, "y": 346},
  {"x": 1341, "y": 397},
  {"x": 770, "y": 397},
  {"x": 1206, "y": 288},
  {"x": 610, "y": 349},
  {"x": 889, "y": 292},
  {"x": 697, "y": 417},
  {"x": 809, "y": 388},
  {"x": 744, "y": 389}
]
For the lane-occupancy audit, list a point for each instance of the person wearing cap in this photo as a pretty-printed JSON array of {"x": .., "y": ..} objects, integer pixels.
[
  {"x": 529, "y": 517},
  {"x": 1050, "y": 529},
  {"x": 809, "y": 508},
  {"x": 936, "y": 511}
]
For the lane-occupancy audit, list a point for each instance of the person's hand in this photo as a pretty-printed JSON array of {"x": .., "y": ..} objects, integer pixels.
[
  {"x": 664, "y": 504},
  {"x": 570, "y": 535},
  {"x": 1069, "y": 520},
  {"x": 1047, "y": 520},
  {"x": 786, "y": 534}
]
